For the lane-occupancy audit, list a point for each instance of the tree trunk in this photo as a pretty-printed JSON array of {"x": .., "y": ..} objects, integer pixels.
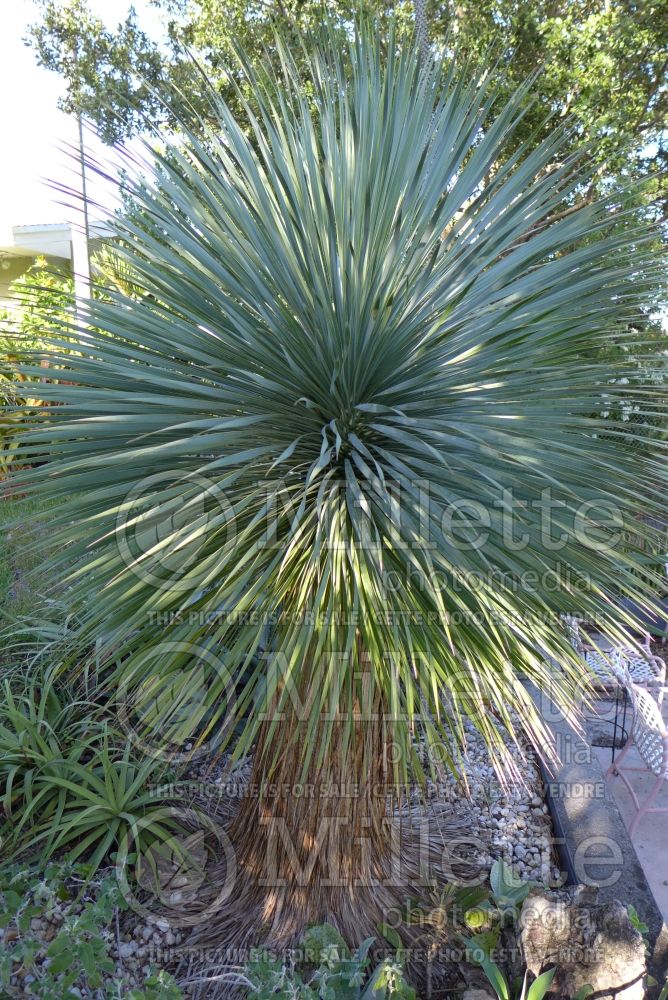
[
  {"x": 313, "y": 843},
  {"x": 337, "y": 844}
]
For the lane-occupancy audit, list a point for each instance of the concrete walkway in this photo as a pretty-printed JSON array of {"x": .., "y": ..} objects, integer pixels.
[{"x": 651, "y": 838}]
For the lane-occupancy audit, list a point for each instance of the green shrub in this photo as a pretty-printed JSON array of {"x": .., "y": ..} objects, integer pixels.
[
  {"x": 328, "y": 970},
  {"x": 69, "y": 782},
  {"x": 43, "y": 298},
  {"x": 78, "y": 954}
]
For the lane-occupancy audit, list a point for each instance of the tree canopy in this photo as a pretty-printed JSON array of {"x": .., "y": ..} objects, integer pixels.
[{"x": 602, "y": 66}]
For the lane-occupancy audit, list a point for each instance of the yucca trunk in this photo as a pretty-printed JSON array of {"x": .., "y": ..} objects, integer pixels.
[
  {"x": 310, "y": 840},
  {"x": 336, "y": 840}
]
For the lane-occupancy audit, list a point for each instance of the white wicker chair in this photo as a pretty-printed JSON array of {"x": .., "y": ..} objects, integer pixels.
[
  {"x": 650, "y": 737},
  {"x": 620, "y": 664}
]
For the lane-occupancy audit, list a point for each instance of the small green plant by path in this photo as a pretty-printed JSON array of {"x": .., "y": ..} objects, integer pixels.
[
  {"x": 637, "y": 922},
  {"x": 456, "y": 911},
  {"x": 328, "y": 971},
  {"x": 506, "y": 898},
  {"x": 78, "y": 953}
]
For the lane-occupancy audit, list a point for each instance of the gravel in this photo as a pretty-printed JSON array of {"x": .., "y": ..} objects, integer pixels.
[{"x": 512, "y": 818}]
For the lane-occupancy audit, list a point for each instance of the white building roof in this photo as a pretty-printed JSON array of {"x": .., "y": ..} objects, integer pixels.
[{"x": 48, "y": 240}]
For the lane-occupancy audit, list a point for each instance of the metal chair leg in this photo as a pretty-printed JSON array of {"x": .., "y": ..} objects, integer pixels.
[{"x": 647, "y": 805}]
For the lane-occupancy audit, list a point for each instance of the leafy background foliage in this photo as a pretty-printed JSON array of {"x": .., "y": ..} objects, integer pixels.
[
  {"x": 601, "y": 67},
  {"x": 603, "y": 64},
  {"x": 41, "y": 297}
]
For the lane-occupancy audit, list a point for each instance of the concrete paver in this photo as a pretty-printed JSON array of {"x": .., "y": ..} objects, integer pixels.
[{"x": 651, "y": 838}]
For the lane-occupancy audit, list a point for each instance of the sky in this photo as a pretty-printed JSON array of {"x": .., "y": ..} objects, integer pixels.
[{"x": 34, "y": 130}]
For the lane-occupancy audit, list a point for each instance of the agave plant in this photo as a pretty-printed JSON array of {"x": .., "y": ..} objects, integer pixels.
[{"x": 336, "y": 453}]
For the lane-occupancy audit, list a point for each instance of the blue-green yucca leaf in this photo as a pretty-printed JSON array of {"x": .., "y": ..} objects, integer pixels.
[{"x": 364, "y": 341}]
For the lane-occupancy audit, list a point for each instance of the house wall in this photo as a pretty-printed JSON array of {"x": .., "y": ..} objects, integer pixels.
[{"x": 17, "y": 265}]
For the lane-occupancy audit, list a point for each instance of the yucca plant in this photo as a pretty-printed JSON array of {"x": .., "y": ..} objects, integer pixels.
[{"x": 315, "y": 452}]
